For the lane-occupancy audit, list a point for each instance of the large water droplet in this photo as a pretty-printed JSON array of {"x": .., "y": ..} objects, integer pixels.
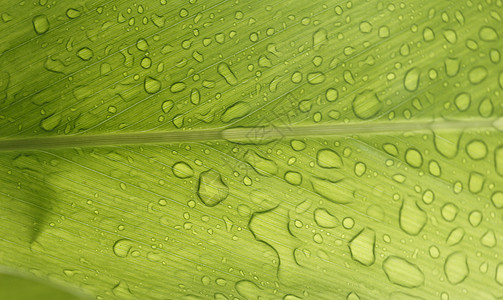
[
  {"x": 477, "y": 74},
  {"x": 261, "y": 165},
  {"x": 456, "y": 267},
  {"x": 413, "y": 157},
  {"x": 488, "y": 34},
  {"x": 402, "y": 272},
  {"x": 336, "y": 191},
  {"x": 362, "y": 247},
  {"x": 211, "y": 189},
  {"x": 324, "y": 218},
  {"x": 235, "y": 111},
  {"x": 412, "y": 218},
  {"x": 366, "y": 105},
  {"x": 40, "y": 24},
  {"x": 225, "y": 71},
  {"x": 151, "y": 85},
  {"x": 476, "y": 182},
  {"x": 411, "y": 79},
  {"x": 498, "y": 160},
  {"x": 327, "y": 158}
]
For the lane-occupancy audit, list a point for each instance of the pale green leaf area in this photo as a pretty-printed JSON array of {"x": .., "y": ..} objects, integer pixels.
[{"x": 252, "y": 150}]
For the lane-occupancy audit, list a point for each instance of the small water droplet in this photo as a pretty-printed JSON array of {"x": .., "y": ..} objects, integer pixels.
[{"x": 182, "y": 170}]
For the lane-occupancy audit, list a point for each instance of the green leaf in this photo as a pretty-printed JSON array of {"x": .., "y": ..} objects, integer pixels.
[{"x": 229, "y": 150}]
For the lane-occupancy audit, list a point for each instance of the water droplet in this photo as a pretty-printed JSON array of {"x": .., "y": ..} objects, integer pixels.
[
  {"x": 315, "y": 78},
  {"x": 428, "y": 34},
  {"x": 383, "y": 31},
  {"x": 211, "y": 188},
  {"x": 142, "y": 44},
  {"x": 365, "y": 27},
  {"x": 293, "y": 178},
  {"x": 324, "y": 218},
  {"x": 352, "y": 296},
  {"x": 53, "y": 65},
  {"x": 412, "y": 218},
  {"x": 327, "y": 158},
  {"x": 297, "y": 145},
  {"x": 411, "y": 79},
  {"x": 85, "y": 53},
  {"x": 402, "y": 272},
  {"x": 348, "y": 77},
  {"x": 499, "y": 274},
  {"x": 390, "y": 149},
  {"x": 167, "y": 106},
  {"x": 146, "y": 62},
  {"x": 434, "y": 168},
  {"x": 50, "y": 122},
  {"x": 475, "y": 218},
  {"x": 450, "y": 36},
  {"x": 40, "y": 24},
  {"x": 488, "y": 239},
  {"x": 494, "y": 56},
  {"x": 413, "y": 157},
  {"x": 446, "y": 143},
  {"x": 261, "y": 165},
  {"x": 72, "y": 13},
  {"x": 452, "y": 66},
  {"x": 498, "y": 160},
  {"x": 455, "y": 236},
  {"x": 488, "y": 34},
  {"x": 235, "y": 111},
  {"x": 331, "y": 94},
  {"x": 366, "y": 105},
  {"x": 449, "y": 212},
  {"x": 348, "y": 223},
  {"x": 476, "y": 149},
  {"x": 319, "y": 38},
  {"x": 362, "y": 247},
  {"x": 428, "y": 196},
  {"x": 177, "y": 87},
  {"x": 477, "y": 74},
  {"x": 339, "y": 192},
  {"x": 434, "y": 251},
  {"x": 151, "y": 85},
  {"x": 122, "y": 247},
  {"x": 182, "y": 170},
  {"x": 497, "y": 199},
  {"x": 462, "y": 101},
  {"x": 476, "y": 182},
  {"x": 264, "y": 62},
  {"x": 225, "y": 71},
  {"x": 456, "y": 267},
  {"x": 360, "y": 168},
  {"x": 486, "y": 108}
]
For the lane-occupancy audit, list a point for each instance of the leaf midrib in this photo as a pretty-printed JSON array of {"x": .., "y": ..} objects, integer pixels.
[{"x": 258, "y": 133}]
